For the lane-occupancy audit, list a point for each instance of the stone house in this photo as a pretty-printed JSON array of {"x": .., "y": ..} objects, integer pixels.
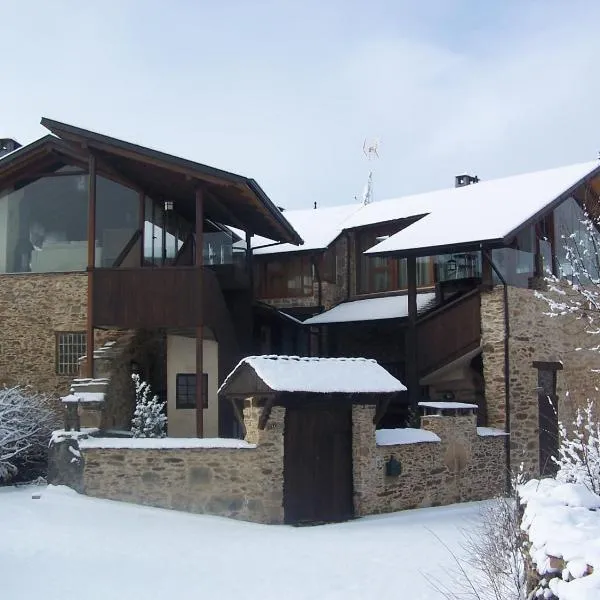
[
  {"x": 115, "y": 258},
  {"x": 440, "y": 288}
]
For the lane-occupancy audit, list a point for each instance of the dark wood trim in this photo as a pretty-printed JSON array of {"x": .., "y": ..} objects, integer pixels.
[
  {"x": 448, "y": 305},
  {"x": 199, "y": 329},
  {"x": 220, "y": 206},
  {"x": 142, "y": 224},
  {"x": 91, "y": 235},
  {"x": 412, "y": 369}
]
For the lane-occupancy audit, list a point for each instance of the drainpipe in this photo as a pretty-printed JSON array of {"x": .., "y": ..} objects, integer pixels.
[
  {"x": 348, "y": 271},
  {"x": 506, "y": 367},
  {"x": 319, "y": 298}
]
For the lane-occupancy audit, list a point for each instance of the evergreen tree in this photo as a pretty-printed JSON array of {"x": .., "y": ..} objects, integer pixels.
[{"x": 149, "y": 419}]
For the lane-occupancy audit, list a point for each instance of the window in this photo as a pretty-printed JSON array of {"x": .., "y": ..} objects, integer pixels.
[
  {"x": 70, "y": 347},
  {"x": 185, "y": 390},
  {"x": 285, "y": 278}
]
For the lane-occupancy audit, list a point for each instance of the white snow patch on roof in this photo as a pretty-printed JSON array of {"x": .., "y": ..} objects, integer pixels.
[
  {"x": 371, "y": 309},
  {"x": 84, "y": 397},
  {"x": 158, "y": 443},
  {"x": 320, "y": 375},
  {"x": 490, "y": 432},
  {"x": 446, "y": 405},
  {"x": 318, "y": 228},
  {"x": 408, "y": 435},
  {"x": 488, "y": 210}
]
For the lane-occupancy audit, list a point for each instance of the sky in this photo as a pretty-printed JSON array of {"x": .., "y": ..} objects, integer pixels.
[{"x": 288, "y": 92}]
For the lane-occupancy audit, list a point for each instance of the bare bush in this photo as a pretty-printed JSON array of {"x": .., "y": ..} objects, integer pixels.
[{"x": 27, "y": 420}]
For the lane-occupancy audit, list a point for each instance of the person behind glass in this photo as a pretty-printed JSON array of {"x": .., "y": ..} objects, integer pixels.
[{"x": 26, "y": 246}]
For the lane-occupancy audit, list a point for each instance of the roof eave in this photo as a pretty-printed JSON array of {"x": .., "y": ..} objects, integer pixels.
[
  {"x": 550, "y": 206},
  {"x": 442, "y": 249}
]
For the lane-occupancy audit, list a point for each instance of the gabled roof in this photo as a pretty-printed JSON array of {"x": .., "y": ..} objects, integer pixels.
[
  {"x": 320, "y": 227},
  {"x": 229, "y": 198},
  {"x": 318, "y": 375},
  {"x": 490, "y": 211}
]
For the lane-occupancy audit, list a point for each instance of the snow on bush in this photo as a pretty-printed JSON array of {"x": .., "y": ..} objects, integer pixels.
[
  {"x": 579, "y": 452},
  {"x": 26, "y": 424},
  {"x": 149, "y": 419}
]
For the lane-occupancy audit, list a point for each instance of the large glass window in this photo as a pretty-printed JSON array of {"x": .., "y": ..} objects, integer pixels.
[
  {"x": 285, "y": 278},
  {"x": 577, "y": 242},
  {"x": 117, "y": 222},
  {"x": 43, "y": 225}
]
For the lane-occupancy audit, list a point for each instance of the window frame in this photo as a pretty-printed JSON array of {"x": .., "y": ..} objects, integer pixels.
[
  {"x": 57, "y": 353},
  {"x": 179, "y": 405}
]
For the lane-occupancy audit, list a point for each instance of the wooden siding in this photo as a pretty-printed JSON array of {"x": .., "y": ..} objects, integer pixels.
[
  {"x": 146, "y": 298},
  {"x": 449, "y": 332}
]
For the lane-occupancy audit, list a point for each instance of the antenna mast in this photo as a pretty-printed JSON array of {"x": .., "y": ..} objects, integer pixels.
[{"x": 371, "y": 151}]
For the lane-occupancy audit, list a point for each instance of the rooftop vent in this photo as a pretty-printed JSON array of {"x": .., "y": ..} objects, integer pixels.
[
  {"x": 462, "y": 180},
  {"x": 8, "y": 145}
]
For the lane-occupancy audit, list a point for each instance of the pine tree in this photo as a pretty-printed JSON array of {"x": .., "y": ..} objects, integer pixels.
[{"x": 149, "y": 420}]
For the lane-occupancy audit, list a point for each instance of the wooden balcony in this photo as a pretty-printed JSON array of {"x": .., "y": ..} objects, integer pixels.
[
  {"x": 449, "y": 332},
  {"x": 146, "y": 298}
]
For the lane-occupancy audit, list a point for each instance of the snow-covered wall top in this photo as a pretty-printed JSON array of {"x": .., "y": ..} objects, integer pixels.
[{"x": 320, "y": 375}]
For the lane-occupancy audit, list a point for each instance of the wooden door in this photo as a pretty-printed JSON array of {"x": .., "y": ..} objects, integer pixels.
[
  {"x": 318, "y": 465},
  {"x": 548, "y": 421}
]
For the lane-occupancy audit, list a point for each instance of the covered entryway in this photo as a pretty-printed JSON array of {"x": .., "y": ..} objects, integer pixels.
[
  {"x": 318, "y": 464},
  {"x": 318, "y": 395}
]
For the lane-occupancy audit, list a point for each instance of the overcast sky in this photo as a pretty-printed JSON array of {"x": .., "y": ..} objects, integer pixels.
[{"x": 287, "y": 91}]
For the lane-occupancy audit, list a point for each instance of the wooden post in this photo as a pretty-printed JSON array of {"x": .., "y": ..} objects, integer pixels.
[
  {"x": 142, "y": 225},
  {"x": 199, "y": 260},
  {"x": 412, "y": 368},
  {"x": 249, "y": 262},
  {"x": 91, "y": 235}
]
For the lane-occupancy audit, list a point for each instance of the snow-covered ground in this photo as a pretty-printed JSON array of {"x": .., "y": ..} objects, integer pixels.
[{"x": 66, "y": 545}]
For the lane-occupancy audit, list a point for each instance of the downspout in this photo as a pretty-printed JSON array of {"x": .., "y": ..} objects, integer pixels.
[
  {"x": 506, "y": 368},
  {"x": 348, "y": 270}
]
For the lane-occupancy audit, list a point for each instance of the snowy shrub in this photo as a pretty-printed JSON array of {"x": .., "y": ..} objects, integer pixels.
[
  {"x": 579, "y": 451},
  {"x": 26, "y": 424},
  {"x": 149, "y": 420}
]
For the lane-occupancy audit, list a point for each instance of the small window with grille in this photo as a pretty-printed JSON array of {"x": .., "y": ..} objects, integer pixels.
[
  {"x": 185, "y": 393},
  {"x": 70, "y": 347}
]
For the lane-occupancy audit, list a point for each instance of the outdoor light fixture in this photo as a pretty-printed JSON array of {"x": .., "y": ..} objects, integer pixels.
[{"x": 169, "y": 205}]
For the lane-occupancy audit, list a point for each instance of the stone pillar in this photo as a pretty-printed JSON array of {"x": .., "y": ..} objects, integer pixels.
[{"x": 364, "y": 458}]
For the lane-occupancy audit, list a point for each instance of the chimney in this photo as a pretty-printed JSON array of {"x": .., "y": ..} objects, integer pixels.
[
  {"x": 8, "y": 145},
  {"x": 463, "y": 180},
  {"x": 315, "y": 205}
]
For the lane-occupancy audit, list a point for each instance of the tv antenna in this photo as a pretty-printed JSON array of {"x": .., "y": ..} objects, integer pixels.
[{"x": 371, "y": 151}]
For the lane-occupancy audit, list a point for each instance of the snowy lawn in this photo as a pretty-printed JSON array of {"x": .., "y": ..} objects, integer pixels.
[{"x": 65, "y": 543}]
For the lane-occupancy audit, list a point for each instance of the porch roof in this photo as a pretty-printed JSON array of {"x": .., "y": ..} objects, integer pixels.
[
  {"x": 312, "y": 375},
  {"x": 372, "y": 309},
  {"x": 230, "y": 199}
]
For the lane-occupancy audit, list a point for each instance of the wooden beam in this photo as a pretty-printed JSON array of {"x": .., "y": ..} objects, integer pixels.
[
  {"x": 142, "y": 224},
  {"x": 412, "y": 368},
  {"x": 265, "y": 413},
  {"x": 199, "y": 329},
  {"x": 235, "y": 222},
  {"x": 91, "y": 260}
]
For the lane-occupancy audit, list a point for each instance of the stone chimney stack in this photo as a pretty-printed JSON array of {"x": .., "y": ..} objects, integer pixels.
[
  {"x": 8, "y": 145},
  {"x": 465, "y": 179}
]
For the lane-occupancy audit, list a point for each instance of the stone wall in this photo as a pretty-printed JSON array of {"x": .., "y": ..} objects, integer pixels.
[
  {"x": 242, "y": 483},
  {"x": 461, "y": 467},
  {"x": 33, "y": 307},
  {"x": 534, "y": 336}
]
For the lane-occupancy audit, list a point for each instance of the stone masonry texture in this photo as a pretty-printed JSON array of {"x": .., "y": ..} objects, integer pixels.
[
  {"x": 242, "y": 483},
  {"x": 461, "y": 467},
  {"x": 33, "y": 307},
  {"x": 534, "y": 336}
]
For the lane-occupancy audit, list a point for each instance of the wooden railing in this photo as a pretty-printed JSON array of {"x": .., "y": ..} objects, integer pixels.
[{"x": 449, "y": 332}]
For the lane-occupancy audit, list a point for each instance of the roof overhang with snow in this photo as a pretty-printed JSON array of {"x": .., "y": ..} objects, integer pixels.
[
  {"x": 372, "y": 309},
  {"x": 273, "y": 375},
  {"x": 488, "y": 213}
]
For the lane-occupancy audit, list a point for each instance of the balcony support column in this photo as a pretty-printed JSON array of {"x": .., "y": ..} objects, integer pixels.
[
  {"x": 199, "y": 260},
  {"x": 91, "y": 263},
  {"x": 412, "y": 368}
]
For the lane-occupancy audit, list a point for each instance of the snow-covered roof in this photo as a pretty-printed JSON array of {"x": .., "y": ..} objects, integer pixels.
[
  {"x": 489, "y": 210},
  {"x": 319, "y": 375},
  {"x": 319, "y": 227},
  {"x": 371, "y": 309}
]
